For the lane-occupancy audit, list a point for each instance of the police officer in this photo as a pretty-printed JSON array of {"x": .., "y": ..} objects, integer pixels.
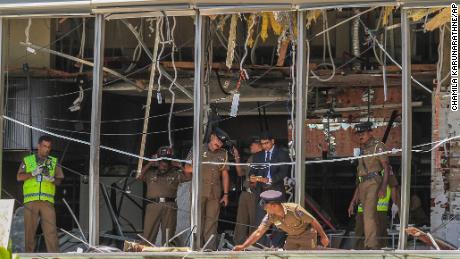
[
  {"x": 382, "y": 222},
  {"x": 371, "y": 184},
  {"x": 246, "y": 215},
  {"x": 162, "y": 181},
  {"x": 40, "y": 174},
  {"x": 215, "y": 183},
  {"x": 301, "y": 227}
]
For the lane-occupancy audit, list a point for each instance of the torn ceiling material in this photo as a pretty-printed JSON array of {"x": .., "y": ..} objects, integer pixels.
[{"x": 176, "y": 7}]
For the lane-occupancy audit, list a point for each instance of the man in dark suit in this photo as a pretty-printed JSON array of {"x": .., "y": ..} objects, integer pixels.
[{"x": 270, "y": 178}]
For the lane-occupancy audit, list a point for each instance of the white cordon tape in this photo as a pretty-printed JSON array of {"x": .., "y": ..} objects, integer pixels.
[
  {"x": 87, "y": 143},
  {"x": 252, "y": 165}
]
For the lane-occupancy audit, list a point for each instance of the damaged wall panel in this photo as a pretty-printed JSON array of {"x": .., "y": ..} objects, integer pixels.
[
  {"x": 445, "y": 177},
  {"x": 335, "y": 135}
]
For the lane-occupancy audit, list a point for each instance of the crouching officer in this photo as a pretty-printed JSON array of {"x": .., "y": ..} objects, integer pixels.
[
  {"x": 40, "y": 175},
  {"x": 162, "y": 181},
  {"x": 301, "y": 227}
]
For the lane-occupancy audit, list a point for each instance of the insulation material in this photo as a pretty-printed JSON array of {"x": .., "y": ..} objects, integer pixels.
[
  {"x": 264, "y": 30},
  {"x": 222, "y": 21},
  {"x": 440, "y": 19},
  {"x": 387, "y": 12},
  {"x": 312, "y": 16},
  {"x": 275, "y": 25},
  {"x": 231, "y": 41},
  {"x": 250, "y": 40},
  {"x": 418, "y": 14}
]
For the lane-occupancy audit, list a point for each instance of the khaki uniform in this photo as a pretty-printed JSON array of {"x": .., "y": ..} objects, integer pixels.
[
  {"x": 246, "y": 209},
  {"x": 211, "y": 191},
  {"x": 43, "y": 212},
  {"x": 162, "y": 211},
  {"x": 382, "y": 226},
  {"x": 368, "y": 190},
  {"x": 297, "y": 224}
]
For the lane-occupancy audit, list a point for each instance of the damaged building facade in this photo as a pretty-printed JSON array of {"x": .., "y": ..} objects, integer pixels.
[{"x": 113, "y": 81}]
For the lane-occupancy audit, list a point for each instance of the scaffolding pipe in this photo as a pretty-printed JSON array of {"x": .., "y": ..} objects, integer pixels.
[
  {"x": 406, "y": 129},
  {"x": 95, "y": 138},
  {"x": 198, "y": 128},
  {"x": 149, "y": 96},
  {"x": 79, "y": 60},
  {"x": 2, "y": 91},
  {"x": 300, "y": 109}
]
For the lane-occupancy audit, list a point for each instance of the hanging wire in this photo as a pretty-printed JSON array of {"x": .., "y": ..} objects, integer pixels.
[
  {"x": 326, "y": 38},
  {"x": 173, "y": 94},
  {"x": 160, "y": 73},
  {"x": 138, "y": 50},
  {"x": 50, "y": 44}
]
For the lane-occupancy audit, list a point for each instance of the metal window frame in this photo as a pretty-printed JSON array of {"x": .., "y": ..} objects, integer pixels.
[{"x": 99, "y": 9}]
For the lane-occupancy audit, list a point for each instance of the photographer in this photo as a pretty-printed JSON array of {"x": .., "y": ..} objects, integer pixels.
[
  {"x": 162, "y": 179},
  {"x": 215, "y": 179}
]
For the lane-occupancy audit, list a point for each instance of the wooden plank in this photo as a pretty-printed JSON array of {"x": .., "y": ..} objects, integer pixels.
[
  {"x": 414, "y": 68},
  {"x": 188, "y": 65},
  {"x": 367, "y": 80}
]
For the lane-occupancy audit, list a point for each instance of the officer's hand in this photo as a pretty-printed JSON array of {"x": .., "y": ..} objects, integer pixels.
[
  {"x": 253, "y": 179},
  {"x": 140, "y": 177},
  {"x": 351, "y": 210},
  {"x": 264, "y": 180},
  {"x": 49, "y": 178},
  {"x": 238, "y": 248},
  {"x": 325, "y": 241},
  {"x": 224, "y": 200},
  {"x": 37, "y": 171}
]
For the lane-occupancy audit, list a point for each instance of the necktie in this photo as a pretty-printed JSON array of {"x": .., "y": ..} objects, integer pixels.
[{"x": 268, "y": 158}]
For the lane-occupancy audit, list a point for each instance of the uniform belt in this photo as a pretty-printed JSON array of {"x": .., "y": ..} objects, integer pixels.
[
  {"x": 162, "y": 199},
  {"x": 368, "y": 176}
]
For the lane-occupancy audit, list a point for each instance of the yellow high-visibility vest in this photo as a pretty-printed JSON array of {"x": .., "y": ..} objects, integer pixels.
[
  {"x": 39, "y": 190},
  {"x": 382, "y": 203}
]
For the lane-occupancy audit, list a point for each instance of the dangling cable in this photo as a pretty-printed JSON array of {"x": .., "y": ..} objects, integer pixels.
[
  {"x": 173, "y": 94},
  {"x": 384, "y": 68},
  {"x": 325, "y": 21},
  {"x": 81, "y": 53},
  {"x": 243, "y": 73},
  {"x": 138, "y": 50},
  {"x": 293, "y": 85},
  {"x": 160, "y": 74},
  {"x": 27, "y": 33}
]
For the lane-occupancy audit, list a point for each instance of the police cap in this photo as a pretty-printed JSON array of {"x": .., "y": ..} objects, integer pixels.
[
  {"x": 363, "y": 127},
  {"x": 271, "y": 196}
]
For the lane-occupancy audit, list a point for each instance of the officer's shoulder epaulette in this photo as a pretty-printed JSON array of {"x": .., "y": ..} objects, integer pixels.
[{"x": 291, "y": 206}]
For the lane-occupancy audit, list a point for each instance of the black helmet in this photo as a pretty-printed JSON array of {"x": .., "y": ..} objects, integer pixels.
[{"x": 221, "y": 135}]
